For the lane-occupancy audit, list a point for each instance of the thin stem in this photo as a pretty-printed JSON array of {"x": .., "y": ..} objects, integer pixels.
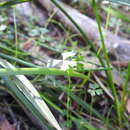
[
  {"x": 108, "y": 73},
  {"x": 16, "y": 34}
]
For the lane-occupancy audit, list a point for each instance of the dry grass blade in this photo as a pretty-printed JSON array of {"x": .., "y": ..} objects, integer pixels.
[
  {"x": 25, "y": 86},
  {"x": 103, "y": 87}
]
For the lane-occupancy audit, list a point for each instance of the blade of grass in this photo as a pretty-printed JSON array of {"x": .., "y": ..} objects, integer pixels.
[
  {"x": 22, "y": 62},
  {"x": 12, "y": 2},
  {"x": 24, "y": 87},
  {"x": 15, "y": 31},
  {"x": 86, "y": 125},
  {"x": 44, "y": 71},
  {"x": 109, "y": 73},
  {"x": 22, "y": 100},
  {"x": 12, "y": 51},
  {"x": 125, "y": 94},
  {"x": 118, "y": 14}
]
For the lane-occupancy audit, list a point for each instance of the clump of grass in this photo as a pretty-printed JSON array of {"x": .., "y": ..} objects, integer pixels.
[{"x": 78, "y": 117}]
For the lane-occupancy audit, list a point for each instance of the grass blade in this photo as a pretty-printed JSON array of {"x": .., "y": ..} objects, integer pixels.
[
  {"x": 12, "y": 2},
  {"x": 29, "y": 96}
]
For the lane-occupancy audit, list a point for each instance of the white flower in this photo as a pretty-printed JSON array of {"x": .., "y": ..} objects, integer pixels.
[
  {"x": 66, "y": 55},
  {"x": 3, "y": 27}
]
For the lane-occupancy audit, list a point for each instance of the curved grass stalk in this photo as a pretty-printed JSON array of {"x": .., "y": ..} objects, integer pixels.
[
  {"x": 12, "y": 2},
  {"x": 109, "y": 73},
  {"x": 44, "y": 71}
]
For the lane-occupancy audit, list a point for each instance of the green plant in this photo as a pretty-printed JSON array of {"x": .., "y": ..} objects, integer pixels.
[
  {"x": 94, "y": 90},
  {"x": 53, "y": 87}
]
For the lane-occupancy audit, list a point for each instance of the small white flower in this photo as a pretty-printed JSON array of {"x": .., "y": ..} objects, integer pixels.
[
  {"x": 66, "y": 64},
  {"x": 3, "y": 27},
  {"x": 66, "y": 55}
]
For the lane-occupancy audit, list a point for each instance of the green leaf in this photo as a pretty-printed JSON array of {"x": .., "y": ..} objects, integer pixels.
[
  {"x": 12, "y": 2},
  {"x": 118, "y": 14}
]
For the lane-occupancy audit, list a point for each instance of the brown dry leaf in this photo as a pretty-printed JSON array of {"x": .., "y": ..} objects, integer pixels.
[
  {"x": 128, "y": 106},
  {"x": 5, "y": 125}
]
